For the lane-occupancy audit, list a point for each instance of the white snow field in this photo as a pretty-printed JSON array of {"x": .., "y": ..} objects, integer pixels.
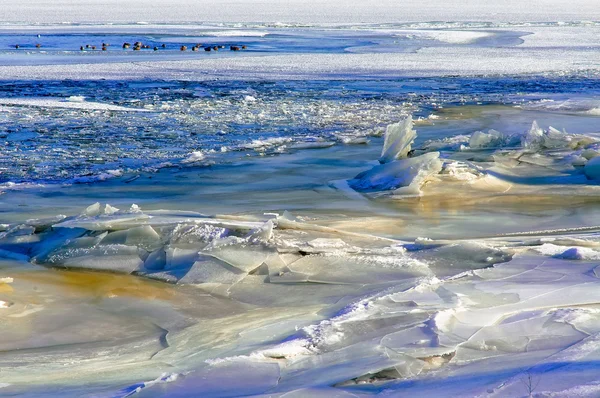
[
  {"x": 298, "y": 11},
  {"x": 322, "y": 199},
  {"x": 427, "y": 62}
]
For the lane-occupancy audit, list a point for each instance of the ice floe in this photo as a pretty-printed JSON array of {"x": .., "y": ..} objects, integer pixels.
[
  {"x": 68, "y": 103},
  {"x": 483, "y": 162},
  {"x": 404, "y": 176}
]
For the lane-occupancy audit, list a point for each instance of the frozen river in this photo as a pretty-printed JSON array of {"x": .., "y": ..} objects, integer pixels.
[{"x": 345, "y": 207}]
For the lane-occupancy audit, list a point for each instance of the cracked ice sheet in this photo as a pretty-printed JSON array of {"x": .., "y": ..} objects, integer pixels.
[
  {"x": 431, "y": 325},
  {"x": 499, "y": 317},
  {"x": 500, "y": 322},
  {"x": 490, "y": 340}
]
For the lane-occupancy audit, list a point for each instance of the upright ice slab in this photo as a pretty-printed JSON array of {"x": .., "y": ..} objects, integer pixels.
[
  {"x": 398, "y": 140},
  {"x": 397, "y": 172}
]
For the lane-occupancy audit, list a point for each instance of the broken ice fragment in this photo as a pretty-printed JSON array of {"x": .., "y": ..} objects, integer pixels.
[
  {"x": 534, "y": 137},
  {"x": 592, "y": 169},
  {"x": 398, "y": 139},
  {"x": 156, "y": 260},
  {"x": 97, "y": 209},
  {"x": 261, "y": 234},
  {"x": 492, "y": 139},
  {"x": 410, "y": 173}
]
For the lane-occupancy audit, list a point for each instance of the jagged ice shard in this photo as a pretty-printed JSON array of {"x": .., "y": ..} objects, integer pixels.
[
  {"x": 398, "y": 139},
  {"x": 397, "y": 173}
]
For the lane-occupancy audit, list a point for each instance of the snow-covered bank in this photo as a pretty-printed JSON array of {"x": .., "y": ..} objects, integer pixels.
[{"x": 427, "y": 62}]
